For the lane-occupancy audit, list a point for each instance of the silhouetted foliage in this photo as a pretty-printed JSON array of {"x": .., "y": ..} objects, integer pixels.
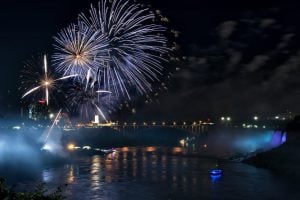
[{"x": 39, "y": 193}]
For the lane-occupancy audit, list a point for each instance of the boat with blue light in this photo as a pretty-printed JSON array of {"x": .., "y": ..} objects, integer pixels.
[{"x": 216, "y": 172}]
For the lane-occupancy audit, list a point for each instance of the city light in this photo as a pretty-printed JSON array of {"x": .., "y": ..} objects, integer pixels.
[
  {"x": 182, "y": 142},
  {"x": 223, "y": 118},
  {"x": 71, "y": 147},
  {"x": 51, "y": 116},
  {"x": 255, "y": 118}
]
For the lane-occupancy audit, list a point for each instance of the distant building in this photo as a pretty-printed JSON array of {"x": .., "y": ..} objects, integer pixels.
[
  {"x": 38, "y": 111},
  {"x": 284, "y": 116},
  {"x": 64, "y": 121},
  {"x": 97, "y": 120}
]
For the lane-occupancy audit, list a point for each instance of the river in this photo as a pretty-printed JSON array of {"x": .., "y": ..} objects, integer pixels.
[{"x": 160, "y": 173}]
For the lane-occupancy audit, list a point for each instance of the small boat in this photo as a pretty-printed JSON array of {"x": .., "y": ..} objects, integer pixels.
[{"x": 216, "y": 172}]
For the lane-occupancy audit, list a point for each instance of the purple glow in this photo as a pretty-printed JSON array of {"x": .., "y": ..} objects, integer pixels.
[
  {"x": 276, "y": 139},
  {"x": 283, "y": 138}
]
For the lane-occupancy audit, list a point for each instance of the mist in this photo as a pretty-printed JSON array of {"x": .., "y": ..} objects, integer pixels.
[
  {"x": 225, "y": 142},
  {"x": 51, "y": 141},
  {"x": 24, "y": 151},
  {"x": 19, "y": 154}
]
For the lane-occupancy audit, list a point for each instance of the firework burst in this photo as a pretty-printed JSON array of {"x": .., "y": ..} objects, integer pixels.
[
  {"x": 35, "y": 79},
  {"x": 80, "y": 50},
  {"x": 88, "y": 101},
  {"x": 135, "y": 45},
  {"x": 118, "y": 44}
]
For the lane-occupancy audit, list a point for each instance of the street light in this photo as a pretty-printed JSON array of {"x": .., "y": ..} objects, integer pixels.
[
  {"x": 51, "y": 116},
  {"x": 255, "y": 118}
]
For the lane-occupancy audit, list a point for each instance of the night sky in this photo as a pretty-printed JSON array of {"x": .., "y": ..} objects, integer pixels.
[{"x": 241, "y": 58}]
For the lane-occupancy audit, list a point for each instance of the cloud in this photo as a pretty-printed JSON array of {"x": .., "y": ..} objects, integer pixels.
[
  {"x": 254, "y": 69},
  {"x": 257, "y": 62},
  {"x": 197, "y": 60},
  {"x": 235, "y": 57},
  {"x": 226, "y": 29},
  {"x": 267, "y": 22},
  {"x": 284, "y": 74},
  {"x": 285, "y": 40}
]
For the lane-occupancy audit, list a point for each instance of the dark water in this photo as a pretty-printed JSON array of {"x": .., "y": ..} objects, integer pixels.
[{"x": 160, "y": 173}]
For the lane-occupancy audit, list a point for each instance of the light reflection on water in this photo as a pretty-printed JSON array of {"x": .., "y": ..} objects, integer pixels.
[
  {"x": 71, "y": 177},
  {"x": 156, "y": 173},
  {"x": 95, "y": 173}
]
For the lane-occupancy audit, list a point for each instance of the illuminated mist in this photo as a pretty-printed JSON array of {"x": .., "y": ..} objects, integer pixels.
[{"x": 226, "y": 142}]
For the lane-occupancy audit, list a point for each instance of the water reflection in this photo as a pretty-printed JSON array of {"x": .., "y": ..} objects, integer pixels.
[
  {"x": 215, "y": 178},
  {"x": 176, "y": 150},
  {"x": 95, "y": 173},
  {"x": 150, "y": 149},
  {"x": 47, "y": 175},
  {"x": 124, "y": 149},
  {"x": 160, "y": 173},
  {"x": 71, "y": 176}
]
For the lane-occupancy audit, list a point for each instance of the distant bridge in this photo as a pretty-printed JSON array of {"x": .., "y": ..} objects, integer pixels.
[{"x": 193, "y": 128}]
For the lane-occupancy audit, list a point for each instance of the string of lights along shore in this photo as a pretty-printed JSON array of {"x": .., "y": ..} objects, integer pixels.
[{"x": 114, "y": 52}]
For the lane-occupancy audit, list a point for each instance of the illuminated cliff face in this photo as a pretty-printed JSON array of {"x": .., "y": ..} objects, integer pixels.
[{"x": 279, "y": 137}]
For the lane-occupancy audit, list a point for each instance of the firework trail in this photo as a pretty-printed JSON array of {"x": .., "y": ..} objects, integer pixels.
[
  {"x": 52, "y": 126},
  {"x": 43, "y": 80}
]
